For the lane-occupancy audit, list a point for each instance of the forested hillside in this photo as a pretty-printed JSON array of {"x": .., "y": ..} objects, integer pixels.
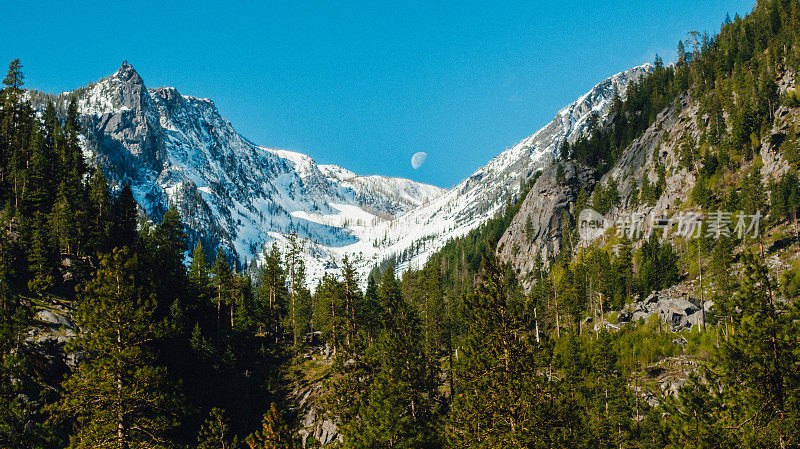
[{"x": 111, "y": 337}]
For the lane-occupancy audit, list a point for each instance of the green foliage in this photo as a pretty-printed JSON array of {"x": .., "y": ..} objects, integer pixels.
[
  {"x": 752, "y": 197},
  {"x": 394, "y": 404},
  {"x": 215, "y": 433},
  {"x": 500, "y": 399},
  {"x": 623, "y": 268},
  {"x": 644, "y": 99},
  {"x": 687, "y": 153},
  {"x": 792, "y": 98},
  {"x": 454, "y": 351},
  {"x": 118, "y": 396},
  {"x": 460, "y": 259},
  {"x": 20, "y": 425},
  {"x": 273, "y": 434},
  {"x": 329, "y": 311},
  {"x": 603, "y": 198},
  {"x": 658, "y": 266},
  {"x": 295, "y": 269},
  {"x": 752, "y": 394},
  {"x": 650, "y": 192},
  {"x": 719, "y": 268},
  {"x": 790, "y": 282},
  {"x": 694, "y": 417},
  {"x": 642, "y": 345},
  {"x": 784, "y": 197},
  {"x": 272, "y": 294}
]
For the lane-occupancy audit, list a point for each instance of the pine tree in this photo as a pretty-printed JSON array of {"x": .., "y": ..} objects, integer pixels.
[
  {"x": 274, "y": 433},
  {"x": 305, "y": 314},
  {"x": 40, "y": 195},
  {"x": 433, "y": 310},
  {"x": 759, "y": 362},
  {"x": 125, "y": 218},
  {"x": 100, "y": 211},
  {"x": 166, "y": 267},
  {"x": 623, "y": 267},
  {"x": 53, "y": 140},
  {"x": 295, "y": 269},
  {"x": 223, "y": 283},
  {"x": 502, "y": 400},
  {"x": 719, "y": 270},
  {"x": 9, "y": 129},
  {"x": 272, "y": 293},
  {"x": 612, "y": 406},
  {"x": 371, "y": 304},
  {"x": 41, "y": 257},
  {"x": 198, "y": 268},
  {"x": 397, "y": 411},
  {"x": 329, "y": 314},
  {"x": 352, "y": 300},
  {"x": 658, "y": 268},
  {"x": 199, "y": 279},
  {"x": 694, "y": 419},
  {"x": 569, "y": 427},
  {"x": 571, "y": 295},
  {"x": 118, "y": 396},
  {"x": 753, "y": 196},
  {"x": 73, "y": 156},
  {"x": 16, "y": 430},
  {"x": 215, "y": 433},
  {"x": 64, "y": 227},
  {"x": 390, "y": 298},
  {"x": 560, "y": 178}
]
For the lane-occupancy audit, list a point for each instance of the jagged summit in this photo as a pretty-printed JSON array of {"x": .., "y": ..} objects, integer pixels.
[{"x": 127, "y": 72}]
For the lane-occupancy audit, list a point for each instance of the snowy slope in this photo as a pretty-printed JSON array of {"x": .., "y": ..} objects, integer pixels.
[
  {"x": 178, "y": 150},
  {"x": 413, "y": 237},
  {"x": 377, "y": 189}
]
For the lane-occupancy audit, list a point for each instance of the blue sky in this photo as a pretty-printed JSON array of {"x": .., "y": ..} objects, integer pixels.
[{"x": 361, "y": 84}]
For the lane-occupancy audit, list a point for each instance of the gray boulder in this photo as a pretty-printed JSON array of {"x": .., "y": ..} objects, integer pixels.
[
  {"x": 56, "y": 319},
  {"x": 672, "y": 305}
]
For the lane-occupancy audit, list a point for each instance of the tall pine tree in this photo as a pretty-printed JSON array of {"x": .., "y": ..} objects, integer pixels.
[{"x": 117, "y": 397}]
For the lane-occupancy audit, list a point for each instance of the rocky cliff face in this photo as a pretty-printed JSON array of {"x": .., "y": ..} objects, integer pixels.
[
  {"x": 659, "y": 144},
  {"x": 535, "y": 231},
  {"x": 541, "y": 212},
  {"x": 123, "y": 121}
]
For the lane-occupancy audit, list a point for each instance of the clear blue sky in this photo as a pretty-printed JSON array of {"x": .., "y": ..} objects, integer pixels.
[{"x": 361, "y": 84}]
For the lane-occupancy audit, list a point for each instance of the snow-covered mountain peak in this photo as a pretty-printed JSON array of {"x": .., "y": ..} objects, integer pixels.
[
  {"x": 177, "y": 150},
  {"x": 597, "y": 100}
]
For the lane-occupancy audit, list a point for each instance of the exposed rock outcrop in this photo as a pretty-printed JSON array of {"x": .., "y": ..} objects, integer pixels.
[
  {"x": 315, "y": 428},
  {"x": 673, "y": 305},
  {"x": 659, "y": 144},
  {"x": 535, "y": 232}
]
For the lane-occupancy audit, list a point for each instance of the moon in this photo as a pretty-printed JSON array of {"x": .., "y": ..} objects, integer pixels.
[{"x": 417, "y": 159}]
